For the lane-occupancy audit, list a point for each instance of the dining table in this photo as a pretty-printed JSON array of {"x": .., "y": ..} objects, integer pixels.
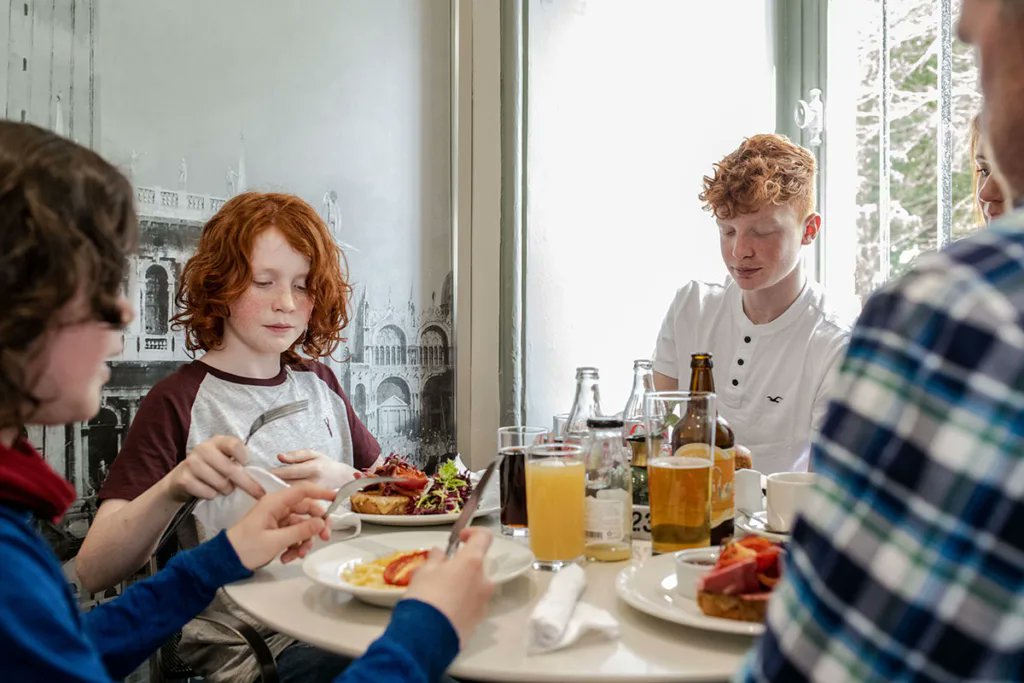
[{"x": 647, "y": 649}]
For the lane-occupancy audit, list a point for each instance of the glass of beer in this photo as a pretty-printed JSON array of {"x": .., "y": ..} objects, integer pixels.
[
  {"x": 680, "y": 445},
  {"x": 512, "y": 445},
  {"x": 555, "y": 488}
]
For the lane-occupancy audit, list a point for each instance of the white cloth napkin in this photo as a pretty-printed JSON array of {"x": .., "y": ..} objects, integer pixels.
[
  {"x": 559, "y": 619},
  {"x": 224, "y": 511}
]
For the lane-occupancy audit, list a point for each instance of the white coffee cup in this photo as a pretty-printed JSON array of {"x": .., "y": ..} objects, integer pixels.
[
  {"x": 787, "y": 493},
  {"x": 749, "y": 494}
]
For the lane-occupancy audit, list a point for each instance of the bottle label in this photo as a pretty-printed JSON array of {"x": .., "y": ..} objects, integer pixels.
[
  {"x": 605, "y": 519},
  {"x": 641, "y": 522},
  {"x": 723, "y": 488}
]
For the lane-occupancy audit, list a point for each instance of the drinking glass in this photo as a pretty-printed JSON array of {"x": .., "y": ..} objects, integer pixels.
[
  {"x": 680, "y": 464},
  {"x": 555, "y": 488},
  {"x": 512, "y": 445}
]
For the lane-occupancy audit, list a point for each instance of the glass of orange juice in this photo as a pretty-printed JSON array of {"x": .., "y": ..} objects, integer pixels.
[{"x": 555, "y": 489}]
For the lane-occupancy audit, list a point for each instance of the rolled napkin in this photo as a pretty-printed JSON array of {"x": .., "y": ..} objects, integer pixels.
[
  {"x": 559, "y": 619},
  {"x": 224, "y": 511}
]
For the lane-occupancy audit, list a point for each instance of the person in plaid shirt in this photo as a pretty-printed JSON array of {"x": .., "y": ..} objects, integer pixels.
[{"x": 909, "y": 561}]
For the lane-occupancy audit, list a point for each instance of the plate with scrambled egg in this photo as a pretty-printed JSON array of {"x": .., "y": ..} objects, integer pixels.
[{"x": 378, "y": 569}]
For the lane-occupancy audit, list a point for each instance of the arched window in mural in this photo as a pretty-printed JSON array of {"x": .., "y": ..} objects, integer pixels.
[
  {"x": 434, "y": 343},
  {"x": 437, "y": 405},
  {"x": 393, "y": 339},
  {"x": 102, "y": 443},
  {"x": 359, "y": 402},
  {"x": 393, "y": 406},
  {"x": 155, "y": 302}
]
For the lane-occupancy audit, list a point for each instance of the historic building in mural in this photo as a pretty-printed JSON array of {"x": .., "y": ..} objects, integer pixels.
[
  {"x": 400, "y": 372},
  {"x": 396, "y": 366}
]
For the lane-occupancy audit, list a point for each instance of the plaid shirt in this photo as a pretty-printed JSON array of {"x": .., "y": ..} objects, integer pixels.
[{"x": 909, "y": 562}]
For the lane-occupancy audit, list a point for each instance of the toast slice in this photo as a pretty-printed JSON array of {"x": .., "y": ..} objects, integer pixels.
[
  {"x": 744, "y": 607},
  {"x": 372, "y": 504}
]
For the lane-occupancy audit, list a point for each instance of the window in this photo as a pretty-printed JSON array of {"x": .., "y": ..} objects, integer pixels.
[
  {"x": 628, "y": 106},
  {"x": 157, "y": 297},
  {"x": 900, "y": 96}
]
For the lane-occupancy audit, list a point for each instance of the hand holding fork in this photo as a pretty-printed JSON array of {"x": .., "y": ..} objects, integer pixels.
[{"x": 214, "y": 467}]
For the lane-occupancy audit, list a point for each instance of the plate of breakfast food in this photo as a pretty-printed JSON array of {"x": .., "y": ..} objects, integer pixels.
[
  {"x": 378, "y": 570},
  {"x": 728, "y": 594},
  {"x": 421, "y": 500}
]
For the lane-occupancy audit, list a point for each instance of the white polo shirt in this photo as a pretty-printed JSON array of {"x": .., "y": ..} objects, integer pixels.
[{"x": 773, "y": 381}]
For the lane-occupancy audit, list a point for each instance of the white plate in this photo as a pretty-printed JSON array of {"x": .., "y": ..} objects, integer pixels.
[
  {"x": 505, "y": 561},
  {"x": 651, "y": 588},
  {"x": 415, "y": 520},
  {"x": 757, "y": 525}
]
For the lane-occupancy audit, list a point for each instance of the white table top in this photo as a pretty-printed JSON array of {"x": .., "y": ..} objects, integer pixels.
[{"x": 649, "y": 649}]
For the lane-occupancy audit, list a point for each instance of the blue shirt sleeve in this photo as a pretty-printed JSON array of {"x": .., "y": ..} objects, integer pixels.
[
  {"x": 129, "y": 629},
  {"x": 41, "y": 636},
  {"x": 417, "y": 647}
]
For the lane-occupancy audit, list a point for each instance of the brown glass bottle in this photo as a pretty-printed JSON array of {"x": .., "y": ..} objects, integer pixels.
[{"x": 723, "y": 474}]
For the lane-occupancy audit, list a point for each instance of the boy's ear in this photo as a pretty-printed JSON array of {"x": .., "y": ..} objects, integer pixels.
[{"x": 811, "y": 228}]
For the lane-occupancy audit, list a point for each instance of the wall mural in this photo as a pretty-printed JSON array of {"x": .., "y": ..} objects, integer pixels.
[{"x": 376, "y": 168}]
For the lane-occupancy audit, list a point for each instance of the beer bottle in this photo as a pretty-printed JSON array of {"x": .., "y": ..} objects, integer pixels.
[
  {"x": 723, "y": 474},
  {"x": 634, "y": 432}
]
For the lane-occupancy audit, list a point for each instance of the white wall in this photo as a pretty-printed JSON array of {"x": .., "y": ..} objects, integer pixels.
[
  {"x": 629, "y": 106},
  {"x": 341, "y": 95}
]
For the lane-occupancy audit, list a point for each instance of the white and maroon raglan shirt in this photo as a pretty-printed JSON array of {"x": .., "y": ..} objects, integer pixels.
[{"x": 198, "y": 402}]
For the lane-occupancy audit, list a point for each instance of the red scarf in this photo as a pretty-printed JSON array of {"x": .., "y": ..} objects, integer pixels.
[{"x": 27, "y": 481}]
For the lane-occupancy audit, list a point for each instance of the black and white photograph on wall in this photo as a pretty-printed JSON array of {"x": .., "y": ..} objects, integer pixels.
[{"x": 354, "y": 118}]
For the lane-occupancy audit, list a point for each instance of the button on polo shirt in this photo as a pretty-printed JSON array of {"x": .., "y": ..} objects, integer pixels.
[{"x": 772, "y": 380}]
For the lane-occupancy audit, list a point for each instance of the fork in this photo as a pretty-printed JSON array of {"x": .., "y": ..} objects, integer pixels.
[
  {"x": 276, "y": 414},
  {"x": 261, "y": 421}
]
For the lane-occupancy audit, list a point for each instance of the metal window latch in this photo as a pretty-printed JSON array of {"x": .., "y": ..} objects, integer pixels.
[{"x": 810, "y": 117}]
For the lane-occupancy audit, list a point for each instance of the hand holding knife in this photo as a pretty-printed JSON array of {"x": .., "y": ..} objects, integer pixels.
[{"x": 469, "y": 508}]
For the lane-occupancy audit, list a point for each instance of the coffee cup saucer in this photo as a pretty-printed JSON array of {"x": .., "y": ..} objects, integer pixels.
[{"x": 756, "y": 523}]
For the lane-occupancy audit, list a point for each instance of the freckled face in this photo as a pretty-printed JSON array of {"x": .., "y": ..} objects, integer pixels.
[
  {"x": 762, "y": 248},
  {"x": 273, "y": 312}
]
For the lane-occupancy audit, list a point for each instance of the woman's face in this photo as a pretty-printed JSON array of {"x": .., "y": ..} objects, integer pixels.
[{"x": 990, "y": 194}]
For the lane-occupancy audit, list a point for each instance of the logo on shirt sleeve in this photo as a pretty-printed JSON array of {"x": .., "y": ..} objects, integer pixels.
[{"x": 774, "y": 399}]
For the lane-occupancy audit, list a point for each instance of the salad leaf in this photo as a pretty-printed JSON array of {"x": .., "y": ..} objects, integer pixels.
[{"x": 445, "y": 493}]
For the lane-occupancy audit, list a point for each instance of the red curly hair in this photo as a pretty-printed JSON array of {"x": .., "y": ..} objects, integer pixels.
[
  {"x": 766, "y": 169},
  {"x": 219, "y": 271}
]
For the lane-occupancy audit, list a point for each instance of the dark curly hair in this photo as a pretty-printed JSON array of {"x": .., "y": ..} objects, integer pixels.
[
  {"x": 67, "y": 223},
  {"x": 765, "y": 169}
]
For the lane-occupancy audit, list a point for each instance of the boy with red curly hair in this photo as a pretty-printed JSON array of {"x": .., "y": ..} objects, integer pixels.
[
  {"x": 266, "y": 282},
  {"x": 776, "y": 347}
]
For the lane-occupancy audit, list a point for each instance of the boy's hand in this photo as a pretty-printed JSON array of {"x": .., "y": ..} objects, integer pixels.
[
  {"x": 457, "y": 587},
  {"x": 213, "y": 468},
  {"x": 314, "y": 468},
  {"x": 282, "y": 522}
]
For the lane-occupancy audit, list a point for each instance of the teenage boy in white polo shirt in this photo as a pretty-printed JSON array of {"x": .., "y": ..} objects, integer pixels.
[{"x": 776, "y": 348}]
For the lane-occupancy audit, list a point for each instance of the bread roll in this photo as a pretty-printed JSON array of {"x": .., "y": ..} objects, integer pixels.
[{"x": 371, "y": 504}]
